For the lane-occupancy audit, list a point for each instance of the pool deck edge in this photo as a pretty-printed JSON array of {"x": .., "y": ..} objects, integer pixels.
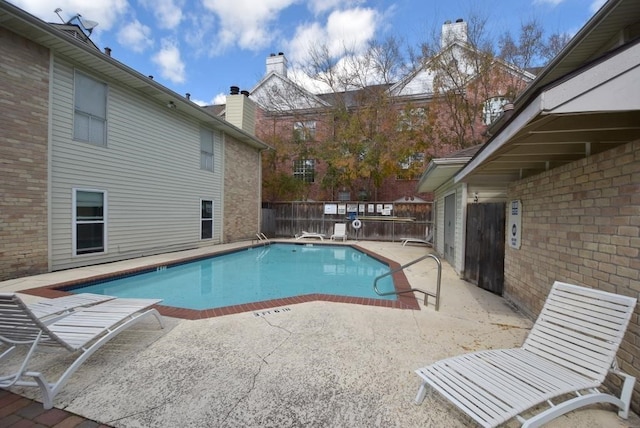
[{"x": 406, "y": 300}]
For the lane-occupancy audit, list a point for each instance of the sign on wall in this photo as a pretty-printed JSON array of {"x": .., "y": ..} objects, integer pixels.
[{"x": 515, "y": 224}]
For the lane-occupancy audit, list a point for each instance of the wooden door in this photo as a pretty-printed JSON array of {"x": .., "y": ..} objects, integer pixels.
[{"x": 484, "y": 247}]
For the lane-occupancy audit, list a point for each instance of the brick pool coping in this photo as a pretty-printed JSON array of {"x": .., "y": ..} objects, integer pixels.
[{"x": 404, "y": 301}]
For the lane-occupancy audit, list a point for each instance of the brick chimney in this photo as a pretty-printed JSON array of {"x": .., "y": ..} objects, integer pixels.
[
  {"x": 451, "y": 32},
  {"x": 241, "y": 111},
  {"x": 277, "y": 63}
]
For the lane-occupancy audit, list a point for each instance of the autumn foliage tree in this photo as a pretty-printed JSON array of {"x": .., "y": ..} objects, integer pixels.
[{"x": 364, "y": 133}]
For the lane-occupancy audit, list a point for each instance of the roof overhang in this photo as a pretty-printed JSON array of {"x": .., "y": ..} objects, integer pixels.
[
  {"x": 589, "y": 111},
  {"x": 440, "y": 171},
  {"x": 79, "y": 52}
]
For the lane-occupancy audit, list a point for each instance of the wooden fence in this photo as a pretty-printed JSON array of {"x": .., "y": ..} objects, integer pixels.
[{"x": 379, "y": 221}]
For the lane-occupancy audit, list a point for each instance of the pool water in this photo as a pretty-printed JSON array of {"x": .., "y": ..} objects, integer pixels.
[{"x": 254, "y": 275}]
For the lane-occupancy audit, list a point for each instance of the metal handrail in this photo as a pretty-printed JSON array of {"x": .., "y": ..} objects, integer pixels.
[
  {"x": 426, "y": 293},
  {"x": 262, "y": 238}
]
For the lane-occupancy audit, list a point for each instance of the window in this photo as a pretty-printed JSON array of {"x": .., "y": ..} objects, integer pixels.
[
  {"x": 413, "y": 119},
  {"x": 344, "y": 196},
  {"x": 90, "y": 114},
  {"x": 304, "y": 131},
  {"x": 207, "y": 144},
  {"x": 411, "y": 167},
  {"x": 305, "y": 170},
  {"x": 89, "y": 215},
  {"x": 492, "y": 109},
  {"x": 206, "y": 219}
]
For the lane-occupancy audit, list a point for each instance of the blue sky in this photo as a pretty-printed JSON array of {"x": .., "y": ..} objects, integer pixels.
[{"x": 204, "y": 46}]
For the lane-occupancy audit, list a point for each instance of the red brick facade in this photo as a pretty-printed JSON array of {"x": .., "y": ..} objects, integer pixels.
[
  {"x": 24, "y": 85},
  {"x": 581, "y": 224}
]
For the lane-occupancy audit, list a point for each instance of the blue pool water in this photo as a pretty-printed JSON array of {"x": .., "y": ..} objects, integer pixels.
[{"x": 253, "y": 275}]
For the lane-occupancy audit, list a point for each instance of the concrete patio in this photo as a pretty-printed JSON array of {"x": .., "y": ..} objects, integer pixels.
[{"x": 316, "y": 364}]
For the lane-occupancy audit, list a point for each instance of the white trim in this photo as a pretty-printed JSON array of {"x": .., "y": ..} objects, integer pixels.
[
  {"x": 531, "y": 111},
  {"x": 50, "y": 164},
  {"x": 74, "y": 250},
  {"x": 76, "y": 71},
  {"x": 213, "y": 215}
]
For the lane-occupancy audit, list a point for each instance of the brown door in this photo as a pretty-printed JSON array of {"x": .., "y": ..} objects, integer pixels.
[{"x": 484, "y": 248}]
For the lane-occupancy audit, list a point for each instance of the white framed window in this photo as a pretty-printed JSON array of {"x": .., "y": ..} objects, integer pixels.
[
  {"x": 412, "y": 119},
  {"x": 89, "y": 221},
  {"x": 206, "y": 219},
  {"x": 208, "y": 141},
  {"x": 90, "y": 110},
  {"x": 305, "y": 170},
  {"x": 304, "y": 131},
  {"x": 492, "y": 109}
]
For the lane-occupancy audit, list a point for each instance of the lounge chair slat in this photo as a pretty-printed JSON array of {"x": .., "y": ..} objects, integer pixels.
[
  {"x": 571, "y": 348},
  {"x": 85, "y": 329},
  {"x": 68, "y": 303}
]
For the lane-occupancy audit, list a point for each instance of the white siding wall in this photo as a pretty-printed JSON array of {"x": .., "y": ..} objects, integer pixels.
[
  {"x": 486, "y": 193},
  {"x": 460, "y": 221},
  {"x": 150, "y": 169}
]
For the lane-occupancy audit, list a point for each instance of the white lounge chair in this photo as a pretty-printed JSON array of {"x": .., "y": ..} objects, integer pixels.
[
  {"x": 48, "y": 310},
  {"x": 339, "y": 231},
  {"x": 570, "y": 350},
  {"x": 306, "y": 234},
  {"x": 83, "y": 331},
  {"x": 428, "y": 239}
]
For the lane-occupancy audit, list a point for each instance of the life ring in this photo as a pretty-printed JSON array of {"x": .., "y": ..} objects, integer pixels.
[{"x": 356, "y": 224}]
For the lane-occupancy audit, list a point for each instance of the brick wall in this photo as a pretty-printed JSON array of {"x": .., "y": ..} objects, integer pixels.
[
  {"x": 581, "y": 224},
  {"x": 241, "y": 191},
  {"x": 24, "y": 106}
]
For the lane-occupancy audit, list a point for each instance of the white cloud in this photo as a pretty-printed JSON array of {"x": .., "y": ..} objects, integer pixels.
[
  {"x": 168, "y": 59},
  {"x": 221, "y": 98},
  {"x": 353, "y": 28},
  {"x": 345, "y": 30},
  {"x": 596, "y": 5},
  {"x": 320, "y": 6},
  {"x": 168, "y": 13},
  {"x": 135, "y": 36},
  {"x": 306, "y": 37},
  {"x": 247, "y": 23},
  {"x": 106, "y": 12}
]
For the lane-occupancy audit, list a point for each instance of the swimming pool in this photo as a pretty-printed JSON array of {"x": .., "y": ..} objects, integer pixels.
[{"x": 254, "y": 275}]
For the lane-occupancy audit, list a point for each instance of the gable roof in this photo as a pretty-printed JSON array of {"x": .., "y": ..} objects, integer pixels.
[
  {"x": 420, "y": 81},
  {"x": 275, "y": 92},
  {"x": 78, "y": 51},
  {"x": 585, "y": 101},
  {"x": 440, "y": 170}
]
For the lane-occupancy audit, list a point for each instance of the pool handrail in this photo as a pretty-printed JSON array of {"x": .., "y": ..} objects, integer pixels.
[
  {"x": 262, "y": 238},
  {"x": 426, "y": 293}
]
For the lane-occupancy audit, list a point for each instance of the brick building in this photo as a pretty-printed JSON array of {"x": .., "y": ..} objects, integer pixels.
[
  {"x": 569, "y": 156},
  {"x": 308, "y": 133},
  {"x": 100, "y": 163}
]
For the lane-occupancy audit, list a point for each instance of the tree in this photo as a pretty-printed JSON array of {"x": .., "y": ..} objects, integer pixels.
[
  {"x": 366, "y": 130},
  {"x": 368, "y": 142},
  {"x": 470, "y": 78}
]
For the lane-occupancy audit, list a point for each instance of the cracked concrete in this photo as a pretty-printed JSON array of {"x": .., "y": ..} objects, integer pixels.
[{"x": 318, "y": 364}]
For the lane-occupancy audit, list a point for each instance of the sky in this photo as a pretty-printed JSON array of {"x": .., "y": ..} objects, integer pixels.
[{"x": 202, "y": 47}]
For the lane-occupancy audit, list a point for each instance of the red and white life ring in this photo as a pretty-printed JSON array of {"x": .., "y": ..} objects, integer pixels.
[{"x": 356, "y": 224}]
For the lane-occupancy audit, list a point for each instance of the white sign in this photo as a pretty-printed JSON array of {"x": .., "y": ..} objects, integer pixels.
[
  {"x": 514, "y": 229},
  {"x": 330, "y": 209}
]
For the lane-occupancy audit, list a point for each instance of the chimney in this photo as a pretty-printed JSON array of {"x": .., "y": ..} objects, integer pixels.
[
  {"x": 241, "y": 110},
  {"x": 277, "y": 63},
  {"x": 107, "y": 51},
  {"x": 451, "y": 32}
]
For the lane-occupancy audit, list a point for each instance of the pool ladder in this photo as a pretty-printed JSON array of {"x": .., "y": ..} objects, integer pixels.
[{"x": 426, "y": 293}]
